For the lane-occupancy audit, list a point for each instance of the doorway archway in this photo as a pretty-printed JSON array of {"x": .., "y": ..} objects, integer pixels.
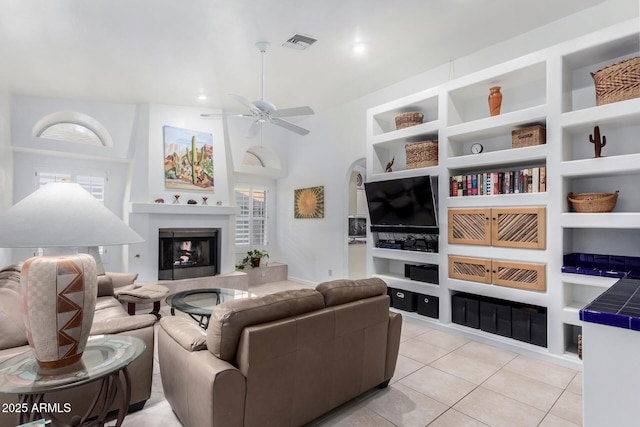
[{"x": 355, "y": 240}]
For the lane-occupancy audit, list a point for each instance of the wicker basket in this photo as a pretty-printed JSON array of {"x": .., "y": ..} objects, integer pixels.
[
  {"x": 406, "y": 120},
  {"x": 593, "y": 202},
  {"x": 617, "y": 82},
  {"x": 422, "y": 154},
  {"x": 528, "y": 137}
]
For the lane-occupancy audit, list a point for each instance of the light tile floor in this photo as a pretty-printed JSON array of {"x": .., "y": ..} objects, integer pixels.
[{"x": 441, "y": 380}]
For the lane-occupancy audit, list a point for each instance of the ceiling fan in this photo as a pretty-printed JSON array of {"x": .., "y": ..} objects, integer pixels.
[{"x": 263, "y": 111}]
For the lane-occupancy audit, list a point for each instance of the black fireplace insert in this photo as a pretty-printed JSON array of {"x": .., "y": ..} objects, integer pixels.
[{"x": 185, "y": 253}]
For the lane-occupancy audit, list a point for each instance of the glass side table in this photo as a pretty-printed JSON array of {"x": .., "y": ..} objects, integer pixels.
[{"x": 105, "y": 359}]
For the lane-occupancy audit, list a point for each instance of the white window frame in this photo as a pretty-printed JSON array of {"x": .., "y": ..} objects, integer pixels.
[
  {"x": 245, "y": 220},
  {"x": 94, "y": 184}
]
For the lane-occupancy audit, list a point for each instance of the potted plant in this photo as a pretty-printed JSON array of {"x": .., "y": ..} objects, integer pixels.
[{"x": 253, "y": 258}]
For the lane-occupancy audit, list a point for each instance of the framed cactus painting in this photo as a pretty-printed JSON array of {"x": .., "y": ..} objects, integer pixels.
[{"x": 188, "y": 159}]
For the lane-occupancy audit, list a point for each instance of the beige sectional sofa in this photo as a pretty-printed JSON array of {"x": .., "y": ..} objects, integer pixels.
[
  {"x": 110, "y": 318},
  {"x": 282, "y": 359}
]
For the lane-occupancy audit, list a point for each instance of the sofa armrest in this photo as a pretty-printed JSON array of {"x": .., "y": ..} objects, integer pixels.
[
  {"x": 185, "y": 332},
  {"x": 105, "y": 286},
  {"x": 120, "y": 324},
  {"x": 393, "y": 344},
  {"x": 122, "y": 279},
  {"x": 202, "y": 390}
]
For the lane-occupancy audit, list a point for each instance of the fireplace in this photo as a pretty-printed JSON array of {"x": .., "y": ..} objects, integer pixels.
[{"x": 185, "y": 253}]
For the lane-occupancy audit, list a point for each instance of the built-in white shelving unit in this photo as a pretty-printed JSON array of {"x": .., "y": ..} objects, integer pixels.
[{"x": 552, "y": 88}]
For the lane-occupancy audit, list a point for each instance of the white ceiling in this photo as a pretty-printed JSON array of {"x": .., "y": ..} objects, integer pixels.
[{"x": 170, "y": 51}]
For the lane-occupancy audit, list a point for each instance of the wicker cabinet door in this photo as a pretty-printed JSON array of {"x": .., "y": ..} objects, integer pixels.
[
  {"x": 472, "y": 269},
  {"x": 521, "y": 275},
  {"x": 470, "y": 226},
  {"x": 519, "y": 227}
]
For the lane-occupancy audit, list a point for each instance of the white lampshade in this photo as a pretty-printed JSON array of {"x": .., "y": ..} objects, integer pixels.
[
  {"x": 62, "y": 215},
  {"x": 59, "y": 292}
]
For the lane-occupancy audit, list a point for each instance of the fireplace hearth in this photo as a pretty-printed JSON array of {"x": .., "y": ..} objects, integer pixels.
[{"x": 186, "y": 253}]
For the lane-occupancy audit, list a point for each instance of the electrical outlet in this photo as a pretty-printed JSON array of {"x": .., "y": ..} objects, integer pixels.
[{"x": 330, "y": 272}]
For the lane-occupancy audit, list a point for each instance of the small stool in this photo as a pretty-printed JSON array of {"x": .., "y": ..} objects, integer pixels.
[{"x": 142, "y": 294}]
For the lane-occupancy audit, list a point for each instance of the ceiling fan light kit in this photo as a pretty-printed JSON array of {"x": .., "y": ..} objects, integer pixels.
[{"x": 263, "y": 111}]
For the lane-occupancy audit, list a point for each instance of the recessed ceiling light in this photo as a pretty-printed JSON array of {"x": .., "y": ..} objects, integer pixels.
[
  {"x": 359, "y": 48},
  {"x": 202, "y": 97}
]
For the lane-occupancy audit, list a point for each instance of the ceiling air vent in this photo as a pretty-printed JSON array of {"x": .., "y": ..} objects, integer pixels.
[{"x": 299, "y": 42}]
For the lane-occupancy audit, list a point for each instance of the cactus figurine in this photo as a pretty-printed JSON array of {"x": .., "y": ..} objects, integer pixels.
[
  {"x": 194, "y": 160},
  {"x": 598, "y": 142}
]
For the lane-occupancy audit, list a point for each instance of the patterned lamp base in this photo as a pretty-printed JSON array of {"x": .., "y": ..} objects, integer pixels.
[{"x": 59, "y": 298}]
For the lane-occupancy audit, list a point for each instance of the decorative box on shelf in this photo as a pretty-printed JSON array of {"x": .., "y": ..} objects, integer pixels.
[
  {"x": 600, "y": 265},
  {"x": 528, "y": 137}
]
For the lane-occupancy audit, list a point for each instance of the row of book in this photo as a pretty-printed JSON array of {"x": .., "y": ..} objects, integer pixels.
[{"x": 530, "y": 180}]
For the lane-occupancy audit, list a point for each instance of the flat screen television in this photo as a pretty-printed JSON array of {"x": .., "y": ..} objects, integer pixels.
[{"x": 405, "y": 204}]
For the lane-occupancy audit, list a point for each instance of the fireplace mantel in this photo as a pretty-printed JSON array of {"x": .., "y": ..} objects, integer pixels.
[
  {"x": 180, "y": 209},
  {"x": 148, "y": 218}
]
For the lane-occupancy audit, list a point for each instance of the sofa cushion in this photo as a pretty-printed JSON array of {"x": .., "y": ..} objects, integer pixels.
[
  {"x": 230, "y": 318},
  {"x": 11, "y": 324},
  {"x": 343, "y": 291},
  {"x": 119, "y": 323},
  {"x": 13, "y": 267}
]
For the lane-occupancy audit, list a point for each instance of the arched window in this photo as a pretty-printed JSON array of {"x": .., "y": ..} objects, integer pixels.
[
  {"x": 73, "y": 127},
  {"x": 261, "y": 157},
  {"x": 251, "y": 159}
]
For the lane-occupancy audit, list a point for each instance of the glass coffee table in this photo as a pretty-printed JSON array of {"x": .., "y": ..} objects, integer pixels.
[{"x": 199, "y": 303}]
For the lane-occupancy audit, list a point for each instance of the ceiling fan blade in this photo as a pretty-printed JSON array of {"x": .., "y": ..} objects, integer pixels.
[
  {"x": 289, "y": 126},
  {"x": 244, "y": 101},
  {"x": 294, "y": 111},
  {"x": 254, "y": 129},
  {"x": 223, "y": 115}
]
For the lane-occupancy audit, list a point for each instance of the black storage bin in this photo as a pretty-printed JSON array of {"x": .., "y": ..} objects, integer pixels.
[
  {"x": 422, "y": 273},
  {"x": 529, "y": 324},
  {"x": 404, "y": 300},
  {"x": 428, "y": 306},
  {"x": 495, "y": 317},
  {"x": 465, "y": 310}
]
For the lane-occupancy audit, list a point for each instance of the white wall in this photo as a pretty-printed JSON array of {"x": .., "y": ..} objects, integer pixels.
[
  {"x": 315, "y": 247},
  {"x": 6, "y": 164},
  {"x": 148, "y": 185},
  {"x": 149, "y": 155},
  {"x": 32, "y": 154}
]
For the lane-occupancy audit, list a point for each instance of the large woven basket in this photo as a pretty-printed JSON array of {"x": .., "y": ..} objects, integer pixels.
[
  {"x": 618, "y": 82},
  {"x": 593, "y": 202},
  {"x": 422, "y": 154},
  {"x": 406, "y": 120}
]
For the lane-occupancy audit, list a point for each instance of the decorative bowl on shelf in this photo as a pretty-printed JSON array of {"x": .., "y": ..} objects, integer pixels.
[
  {"x": 593, "y": 202},
  {"x": 406, "y": 120}
]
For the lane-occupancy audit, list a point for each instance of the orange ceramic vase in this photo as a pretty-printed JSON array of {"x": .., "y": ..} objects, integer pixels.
[{"x": 495, "y": 100}]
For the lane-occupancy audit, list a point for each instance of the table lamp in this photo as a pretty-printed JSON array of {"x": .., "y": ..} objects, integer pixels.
[{"x": 59, "y": 289}]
